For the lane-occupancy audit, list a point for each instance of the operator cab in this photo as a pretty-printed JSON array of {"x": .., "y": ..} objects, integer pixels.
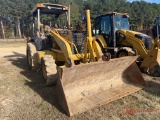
[
  {"x": 47, "y": 16},
  {"x": 53, "y": 17},
  {"x": 108, "y": 24}
]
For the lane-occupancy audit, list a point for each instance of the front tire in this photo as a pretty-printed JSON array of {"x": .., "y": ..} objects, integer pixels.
[
  {"x": 125, "y": 51},
  {"x": 122, "y": 53},
  {"x": 49, "y": 70}
]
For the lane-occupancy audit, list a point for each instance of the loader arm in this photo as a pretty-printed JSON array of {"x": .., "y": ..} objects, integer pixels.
[
  {"x": 90, "y": 44},
  {"x": 129, "y": 39},
  {"x": 63, "y": 44},
  {"x": 100, "y": 39}
]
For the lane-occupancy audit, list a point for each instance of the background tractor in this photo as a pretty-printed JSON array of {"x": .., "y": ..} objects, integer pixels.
[
  {"x": 73, "y": 61},
  {"x": 154, "y": 33},
  {"x": 113, "y": 35}
]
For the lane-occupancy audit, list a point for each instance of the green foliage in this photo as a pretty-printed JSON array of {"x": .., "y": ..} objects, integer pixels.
[{"x": 141, "y": 13}]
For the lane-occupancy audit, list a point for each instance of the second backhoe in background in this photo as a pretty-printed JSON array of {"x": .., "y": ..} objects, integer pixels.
[
  {"x": 154, "y": 33},
  {"x": 112, "y": 32}
]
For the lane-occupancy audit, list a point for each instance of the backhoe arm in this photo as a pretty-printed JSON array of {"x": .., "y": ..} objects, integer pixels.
[{"x": 90, "y": 43}]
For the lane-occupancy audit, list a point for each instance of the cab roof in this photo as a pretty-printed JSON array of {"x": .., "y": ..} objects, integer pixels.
[
  {"x": 49, "y": 8},
  {"x": 115, "y": 13},
  {"x": 118, "y": 13}
]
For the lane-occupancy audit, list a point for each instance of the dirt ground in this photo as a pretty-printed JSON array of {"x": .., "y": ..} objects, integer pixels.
[{"x": 24, "y": 96}]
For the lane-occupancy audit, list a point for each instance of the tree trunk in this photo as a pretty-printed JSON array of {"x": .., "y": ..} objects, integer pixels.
[
  {"x": 13, "y": 32},
  {"x": 19, "y": 30},
  {"x": 3, "y": 30}
]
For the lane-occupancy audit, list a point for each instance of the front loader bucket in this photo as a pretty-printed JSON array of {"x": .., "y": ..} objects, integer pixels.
[
  {"x": 151, "y": 63},
  {"x": 90, "y": 85}
]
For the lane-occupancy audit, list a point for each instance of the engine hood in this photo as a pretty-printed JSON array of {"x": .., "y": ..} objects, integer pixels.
[
  {"x": 132, "y": 33},
  {"x": 128, "y": 34}
]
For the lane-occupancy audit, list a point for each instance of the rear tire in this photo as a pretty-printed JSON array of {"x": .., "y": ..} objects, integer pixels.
[
  {"x": 49, "y": 70},
  {"x": 32, "y": 58},
  {"x": 122, "y": 53},
  {"x": 125, "y": 51}
]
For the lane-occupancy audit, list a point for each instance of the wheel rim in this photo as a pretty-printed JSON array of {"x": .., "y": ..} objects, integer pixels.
[
  {"x": 29, "y": 58},
  {"x": 44, "y": 72},
  {"x": 122, "y": 54}
]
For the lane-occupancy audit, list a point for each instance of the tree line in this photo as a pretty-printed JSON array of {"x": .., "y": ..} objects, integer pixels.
[{"x": 16, "y": 17}]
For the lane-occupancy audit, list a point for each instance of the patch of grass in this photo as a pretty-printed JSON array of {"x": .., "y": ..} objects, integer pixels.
[
  {"x": 144, "y": 104},
  {"x": 151, "y": 97},
  {"x": 41, "y": 106}
]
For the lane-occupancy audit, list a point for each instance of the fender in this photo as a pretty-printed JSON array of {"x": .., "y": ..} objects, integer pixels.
[{"x": 101, "y": 40}]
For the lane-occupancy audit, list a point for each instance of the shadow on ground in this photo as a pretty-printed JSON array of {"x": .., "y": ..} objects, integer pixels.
[
  {"x": 36, "y": 82},
  {"x": 153, "y": 87}
]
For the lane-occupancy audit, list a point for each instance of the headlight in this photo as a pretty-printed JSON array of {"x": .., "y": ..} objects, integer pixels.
[{"x": 122, "y": 35}]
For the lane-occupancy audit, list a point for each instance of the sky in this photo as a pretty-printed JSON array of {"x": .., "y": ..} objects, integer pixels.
[{"x": 151, "y": 1}]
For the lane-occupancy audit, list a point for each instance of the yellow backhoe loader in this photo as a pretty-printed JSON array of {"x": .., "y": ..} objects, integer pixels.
[
  {"x": 72, "y": 60},
  {"x": 113, "y": 35}
]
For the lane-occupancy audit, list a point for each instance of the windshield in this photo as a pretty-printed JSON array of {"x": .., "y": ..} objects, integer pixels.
[
  {"x": 103, "y": 25},
  {"x": 121, "y": 22},
  {"x": 54, "y": 21}
]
